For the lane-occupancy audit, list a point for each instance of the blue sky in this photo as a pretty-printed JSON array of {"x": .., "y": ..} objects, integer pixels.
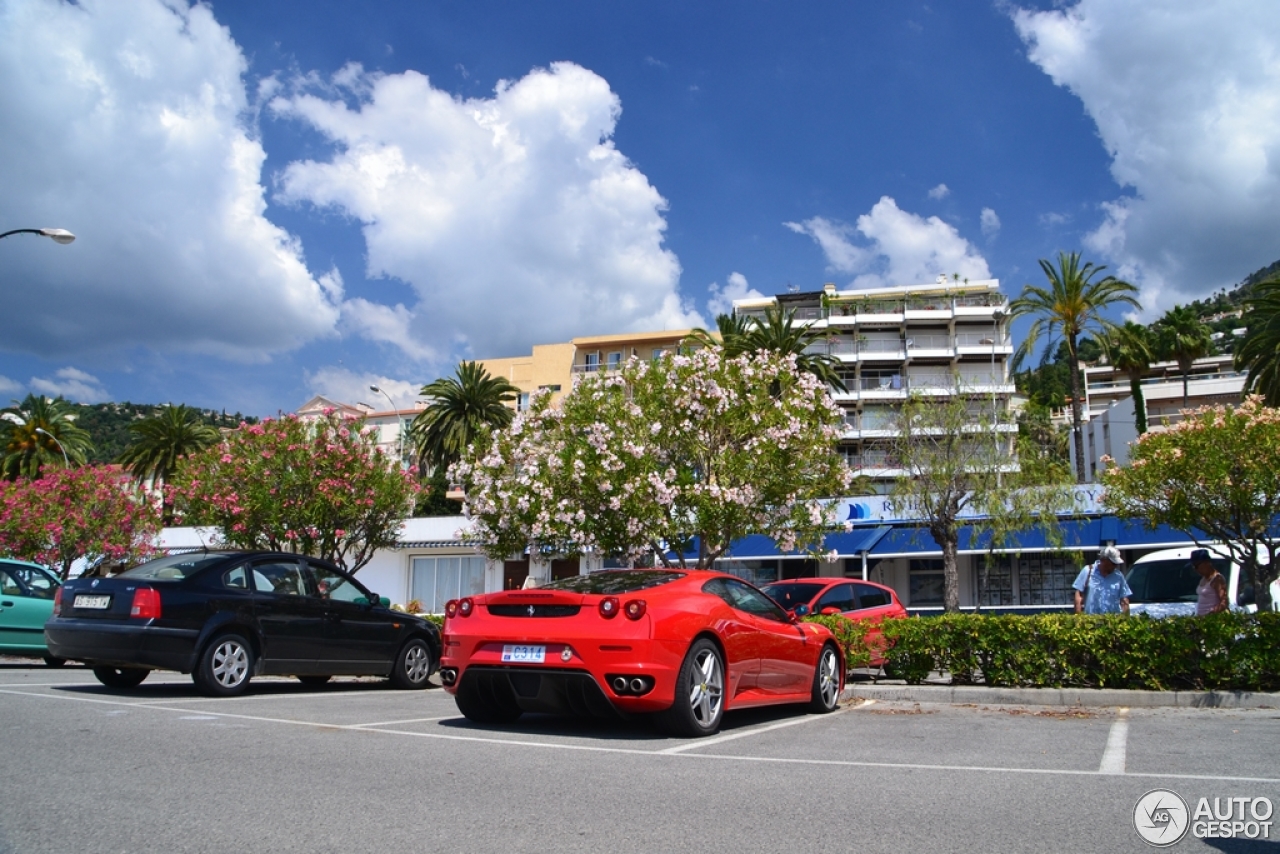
[{"x": 280, "y": 199}]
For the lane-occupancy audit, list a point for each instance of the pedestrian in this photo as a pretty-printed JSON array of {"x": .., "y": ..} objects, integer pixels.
[
  {"x": 1211, "y": 592},
  {"x": 1100, "y": 587}
]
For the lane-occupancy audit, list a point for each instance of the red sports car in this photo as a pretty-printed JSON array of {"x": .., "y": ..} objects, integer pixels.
[
  {"x": 855, "y": 599},
  {"x": 685, "y": 644}
]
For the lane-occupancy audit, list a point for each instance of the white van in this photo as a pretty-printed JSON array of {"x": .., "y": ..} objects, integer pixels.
[{"x": 1164, "y": 582}]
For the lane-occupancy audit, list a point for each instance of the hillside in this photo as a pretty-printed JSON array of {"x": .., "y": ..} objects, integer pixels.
[{"x": 108, "y": 424}]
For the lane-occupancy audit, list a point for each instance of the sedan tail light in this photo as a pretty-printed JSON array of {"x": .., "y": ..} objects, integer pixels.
[
  {"x": 57, "y": 602},
  {"x": 635, "y": 608},
  {"x": 146, "y": 604}
]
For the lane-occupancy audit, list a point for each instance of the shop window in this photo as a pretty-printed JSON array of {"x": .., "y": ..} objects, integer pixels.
[
  {"x": 436, "y": 580},
  {"x": 926, "y": 582}
]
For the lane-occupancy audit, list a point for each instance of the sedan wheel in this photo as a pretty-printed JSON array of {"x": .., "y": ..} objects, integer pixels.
[
  {"x": 826, "y": 682},
  {"x": 699, "y": 704},
  {"x": 120, "y": 677},
  {"x": 413, "y": 665},
  {"x": 225, "y": 666}
]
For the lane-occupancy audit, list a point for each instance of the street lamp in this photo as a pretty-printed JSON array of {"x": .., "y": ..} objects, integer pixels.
[
  {"x": 57, "y": 235},
  {"x": 399, "y": 421},
  {"x": 65, "y": 462}
]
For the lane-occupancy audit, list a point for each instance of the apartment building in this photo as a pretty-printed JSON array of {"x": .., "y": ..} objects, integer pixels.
[{"x": 942, "y": 339}]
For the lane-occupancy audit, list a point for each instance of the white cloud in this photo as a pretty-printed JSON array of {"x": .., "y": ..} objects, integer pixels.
[
  {"x": 735, "y": 287},
  {"x": 990, "y": 222},
  {"x": 125, "y": 122},
  {"x": 346, "y": 386},
  {"x": 905, "y": 249},
  {"x": 514, "y": 218},
  {"x": 8, "y": 386},
  {"x": 1053, "y": 219},
  {"x": 940, "y": 192},
  {"x": 1186, "y": 98},
  {"x": 73, "y": 384}
]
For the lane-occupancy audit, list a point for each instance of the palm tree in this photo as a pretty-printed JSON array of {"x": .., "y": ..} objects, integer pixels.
[
  {"x": 1129, "y": 349},
  {"x": 161, "y": 441},
  {"x": 458, "y": 412},
  {"x": 1072, "y": 305},
  {"x": 1182, "y": 337},
  {"x": 731, "y": 335},
  {"x": 777, "y": 333},
  {"x": 39, "y": 431},
  {"x": 1259, "y": 350}
]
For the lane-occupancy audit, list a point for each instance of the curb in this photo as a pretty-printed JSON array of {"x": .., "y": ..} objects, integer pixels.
[{"x": 1104, "y": 697}]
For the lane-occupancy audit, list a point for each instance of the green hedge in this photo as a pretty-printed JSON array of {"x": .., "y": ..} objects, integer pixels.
[{"x": 1228, "y": 651}]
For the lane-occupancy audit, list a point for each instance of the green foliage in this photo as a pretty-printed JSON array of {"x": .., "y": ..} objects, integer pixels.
[
  {"x": 108, "y": 424},
  {"x": 1215, "y": 471},
  {"x": 650, "y": 457},
  {"x": 432, "y": 499},
  {"x": 161, "y": 441},
  {"x": 459, "y": 411},
  {"x": 1231, "y": 651},
  {"x": 321, "y": 488},
  {"x": 776, "y": 333},
  {"x": 40, "y": 431},
  {"x": 1259, "y": 350},
  {"x": 851, "y": 635}
]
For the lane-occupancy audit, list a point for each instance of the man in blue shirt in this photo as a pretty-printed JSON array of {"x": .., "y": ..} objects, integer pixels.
[{"x": 1100, "y": 587}]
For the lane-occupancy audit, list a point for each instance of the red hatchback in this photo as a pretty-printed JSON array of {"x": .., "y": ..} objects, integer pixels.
[{"x": 855, "y": 599}]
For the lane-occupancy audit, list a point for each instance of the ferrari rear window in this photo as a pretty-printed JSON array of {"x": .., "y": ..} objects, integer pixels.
[{"x": 614, "y": 582}]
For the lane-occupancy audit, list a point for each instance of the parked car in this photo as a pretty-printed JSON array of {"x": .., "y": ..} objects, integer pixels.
[
  {"x": 226, "y": 616},
  {"x": 685, "y": 645},
  {"x": 1164, "y": 582},
  {"x": 27, "y": 591},
  {"x": 857, "y": 600}
]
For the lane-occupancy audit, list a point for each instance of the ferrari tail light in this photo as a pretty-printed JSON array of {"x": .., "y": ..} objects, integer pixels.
[
  {"x": 635, "y": 608},
  {"x": 57, "y": 602},
  {"x": 609, "y": 607},
  {"x": 465, "y": 607},
  {"x": 146, "y": 604},
  {"x": 451, "y": 608}
]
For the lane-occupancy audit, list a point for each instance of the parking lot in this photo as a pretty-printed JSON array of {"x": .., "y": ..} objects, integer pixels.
[{"x": 355, "y": 766}]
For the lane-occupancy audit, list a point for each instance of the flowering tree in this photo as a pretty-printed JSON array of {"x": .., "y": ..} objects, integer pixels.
[
  {"x": 1215, "y": 471},
  {"x": 658, "y": 455},
  {"x": 321, "y": 488},
  {"x": 69, "y": 514}
]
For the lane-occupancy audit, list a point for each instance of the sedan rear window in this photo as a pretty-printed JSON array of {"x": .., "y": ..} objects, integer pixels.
[
  {"x": 175, "y": 567},
  {"x": 614, "y": 582}
]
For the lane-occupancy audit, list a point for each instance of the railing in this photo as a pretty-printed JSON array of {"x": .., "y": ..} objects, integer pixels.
[
  {"x": 980, "y": 339},
  {"x": 929, "y": 342}
]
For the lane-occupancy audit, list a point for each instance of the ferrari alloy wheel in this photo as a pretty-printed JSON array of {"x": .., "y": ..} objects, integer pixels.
[
  {"x": 826, "y": 682},
  {"x": 413, "y": 665},
  {"x": 699, "y": 704},
  {"x": 225, "y": 666},
  {"x": 120, "y": 677}
]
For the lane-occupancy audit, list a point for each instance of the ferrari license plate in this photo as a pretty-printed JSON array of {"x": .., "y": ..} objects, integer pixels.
[
  {"x": 95, "y": 602},
  {"x": 524, "y": 654}
]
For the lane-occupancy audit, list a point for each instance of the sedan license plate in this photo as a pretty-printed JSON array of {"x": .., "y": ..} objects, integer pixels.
[
  {"x": 96, "y": 602},
  {"x": 524, "y": 654}
]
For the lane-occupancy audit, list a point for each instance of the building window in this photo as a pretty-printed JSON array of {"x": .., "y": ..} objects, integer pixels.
[
  {"x": 436, "y": 580},
  {"x": 758, "y": 572},
  {"x": 614, "y": 360},
  {"x": 658, "y": 353},
  {"x": 1045, "y": 580},
  {"x": 997, "y": 587},
  {"x": 522, "y": 402},
  {"x": 591, "y": 361},
  {"x": 926, "y": 582}
]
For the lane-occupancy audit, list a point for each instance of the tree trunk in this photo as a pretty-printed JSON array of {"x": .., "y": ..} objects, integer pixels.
[
  {"x": 1139, "y": 403},
  {"x": 1077, "y": 411},
  {"x": 950, "y": 573}
]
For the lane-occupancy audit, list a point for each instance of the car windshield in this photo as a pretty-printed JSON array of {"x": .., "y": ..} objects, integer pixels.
[
  {"x": 174, "y": 567},
  {"x": 789, "y": 594},
  {"x": 614, "y": 582},
  {"x": 1167, "y": 580}
]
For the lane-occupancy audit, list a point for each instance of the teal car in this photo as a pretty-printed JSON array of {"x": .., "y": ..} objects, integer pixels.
[{"x": 26, "y": 603}]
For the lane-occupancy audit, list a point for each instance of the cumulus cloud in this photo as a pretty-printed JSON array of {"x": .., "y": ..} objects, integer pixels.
[
  {"x": 1186, "y": 99},
  {"x": 125, "y": 122},
  {"x": 990, "y": 222},
  {"x": 8, "y": 386},
  {"x": 940, "y": 192},
  {"x": 903, "y": 248},
  {"x": 73, "y": 384},
  {"x": 735, "y": 287},
  {"x": 514, "y": 218},
  {"x": 347, "y": 386}
]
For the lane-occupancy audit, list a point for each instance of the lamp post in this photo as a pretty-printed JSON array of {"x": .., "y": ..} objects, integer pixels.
[
  {"x": 57, "y": 235},
  {"x": 66, "y": 463},
  {"x": 399, "y": 422}
]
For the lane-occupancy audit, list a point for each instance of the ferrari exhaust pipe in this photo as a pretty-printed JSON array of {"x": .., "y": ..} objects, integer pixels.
[
  {"x": 448, "y": 675},
  {"x": 637, "y": 685},
  {"x": 619, "y": 684}
]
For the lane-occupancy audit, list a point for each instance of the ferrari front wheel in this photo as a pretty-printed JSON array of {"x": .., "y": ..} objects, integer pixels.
[
  {"x": 826, "y": 682},
  {"x": 699, "y": 704}
]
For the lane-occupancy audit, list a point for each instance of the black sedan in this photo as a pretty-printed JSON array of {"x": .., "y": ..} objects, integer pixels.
[{"x": 226, "y": 616}]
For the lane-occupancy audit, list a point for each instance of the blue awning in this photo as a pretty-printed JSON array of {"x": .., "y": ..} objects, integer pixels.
[
  {"x": 758, "y": 546},
  {"x": 1086, "y": 534}
]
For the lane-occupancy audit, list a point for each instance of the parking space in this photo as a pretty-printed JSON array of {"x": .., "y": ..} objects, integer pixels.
[{"x": 910, "y": 770}]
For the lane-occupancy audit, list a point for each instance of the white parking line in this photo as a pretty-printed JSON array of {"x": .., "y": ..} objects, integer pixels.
[
  {"x": 405, "y": 721},
  {"x": 708, "y": 742},
  {"x": 1114, "y": 754}
]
